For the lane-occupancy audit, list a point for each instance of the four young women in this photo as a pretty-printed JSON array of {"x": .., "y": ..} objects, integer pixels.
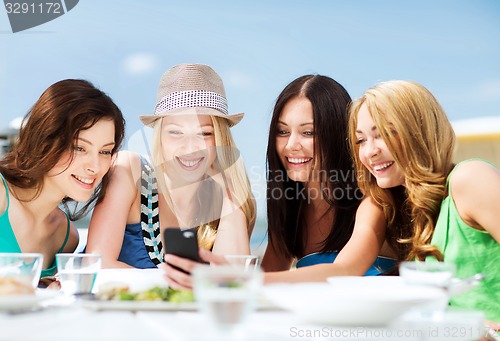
[{"x": 404, "y": 209}]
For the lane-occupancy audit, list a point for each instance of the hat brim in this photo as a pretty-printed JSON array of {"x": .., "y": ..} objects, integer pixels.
[{"x": 233, "y": 119}]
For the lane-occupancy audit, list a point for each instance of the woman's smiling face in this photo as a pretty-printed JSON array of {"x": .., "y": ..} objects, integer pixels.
[
  {"x": 188, "y": 144},
  {"x": 374, "y": 153},
  {"x": 77, "y": 178},
  {"x": 295, "y": 138}
]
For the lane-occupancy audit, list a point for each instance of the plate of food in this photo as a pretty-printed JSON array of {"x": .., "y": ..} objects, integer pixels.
[
  {"x": 16, "y": 296},
  {"x": 114, "y": 295},
  {"x": 136, "y": 290}
]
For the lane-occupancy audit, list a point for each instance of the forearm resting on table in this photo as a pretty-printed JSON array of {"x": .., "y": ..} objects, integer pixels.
[{"x": 314, "y": 273}]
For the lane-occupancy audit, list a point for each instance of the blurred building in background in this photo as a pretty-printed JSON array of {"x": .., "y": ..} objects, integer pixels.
[
  {"x": 478, "y": 138},
  {"x": 8, "y": 135}
]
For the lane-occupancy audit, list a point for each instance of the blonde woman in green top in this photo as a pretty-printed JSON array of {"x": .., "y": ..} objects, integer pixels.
[{"x": 403, "y": 145}]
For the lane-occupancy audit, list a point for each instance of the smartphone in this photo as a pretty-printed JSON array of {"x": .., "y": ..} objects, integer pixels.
[{"x": 181, "y": 242}]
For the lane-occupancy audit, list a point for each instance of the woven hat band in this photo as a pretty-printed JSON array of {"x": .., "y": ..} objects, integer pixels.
[{"x": 191, "y": 99}]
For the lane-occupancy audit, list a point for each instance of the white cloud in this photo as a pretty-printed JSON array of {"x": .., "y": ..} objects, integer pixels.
[{"x": 140, "y": 63}]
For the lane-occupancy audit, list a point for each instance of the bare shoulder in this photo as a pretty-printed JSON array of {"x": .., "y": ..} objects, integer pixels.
[
  {"x": 369, "y": 206},
  {"x": 127, "y": 159},
  {"x": 127, "y": 164},
  {"x": 475, "y": 189},
  {"x": 471, "y": 176}
]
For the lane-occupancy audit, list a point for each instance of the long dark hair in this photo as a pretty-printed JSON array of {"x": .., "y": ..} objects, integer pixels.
[
  {"x": 49, "y": 130},
  {"x": 286, "y": 223}
]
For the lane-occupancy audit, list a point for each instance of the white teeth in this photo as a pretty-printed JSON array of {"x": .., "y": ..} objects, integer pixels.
[
  {"x": 190, "y": 163},
  {"x": 382, "y": 166},
  {"x": 298, "y": 160},
  {"x": 85, "y": 181}
]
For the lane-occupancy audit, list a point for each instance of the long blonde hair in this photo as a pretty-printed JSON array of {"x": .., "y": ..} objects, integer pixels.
[
  {"x": 420, "y": 137},
  {"x": 232, "y": 169}
]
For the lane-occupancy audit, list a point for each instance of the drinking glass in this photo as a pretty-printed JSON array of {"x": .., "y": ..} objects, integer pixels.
[
  {"x": 248, "y": 262},
  {"x": 77, "y": 272},
  {"x": 438, "y": 274},
  {"x": 226, "y": 294},
  {"x": 22, "y": 268},
  {"x": 434, "y": 274}
]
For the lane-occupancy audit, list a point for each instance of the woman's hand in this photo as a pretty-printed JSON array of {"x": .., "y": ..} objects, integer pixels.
[
  {"x": 178, "y": 270},
  {"x": 50, "y": 282}
]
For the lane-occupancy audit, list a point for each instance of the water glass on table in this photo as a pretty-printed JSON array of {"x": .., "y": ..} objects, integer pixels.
[
  {"x": 77, "y": 272},
  {"x": 434, "y": 274},
  {"x": 226, "y": 294},
  {"x": 438, "y": 274},
  {"x": 20, "y": 272},
  {"x": 248, "y": 262}
]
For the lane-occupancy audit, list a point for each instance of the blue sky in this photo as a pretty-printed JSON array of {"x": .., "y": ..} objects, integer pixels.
[{"x": 124, "y": 46}]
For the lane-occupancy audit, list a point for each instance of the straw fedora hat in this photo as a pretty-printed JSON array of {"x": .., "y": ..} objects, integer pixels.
[{"x": 191, "y": 89}]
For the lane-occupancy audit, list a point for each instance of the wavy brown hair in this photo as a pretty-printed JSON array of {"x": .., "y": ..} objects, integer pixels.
[
  {"x": 49, "y": 130},
  {"x": 420, "y": 137}
]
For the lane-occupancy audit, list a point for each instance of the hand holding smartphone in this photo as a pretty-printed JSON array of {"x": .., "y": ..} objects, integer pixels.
[{"x": 182, "y": 243}]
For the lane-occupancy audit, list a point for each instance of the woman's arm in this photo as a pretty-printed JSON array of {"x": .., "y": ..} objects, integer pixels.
[
  {"x": 354, "y": 259},
  {"x": 107, "y": 225},
  {"x": 232, "y": 234},
  {"x": 273, "y": 260},
  {"x": 475, "y": 189}
]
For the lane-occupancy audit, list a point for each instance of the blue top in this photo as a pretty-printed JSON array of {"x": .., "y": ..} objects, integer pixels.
[
  {"x": 8, "y": 240},
  {"x": 133, "y": 250},
  {"x": 142, "y": 247},
  {"x": 381, "y": 264}
]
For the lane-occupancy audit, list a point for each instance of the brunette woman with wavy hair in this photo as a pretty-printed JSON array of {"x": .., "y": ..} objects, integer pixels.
[
  {"x": 64, "y": 151},
  {"x": 403, "y": 147},
  {"x": 313, "y": 202}
]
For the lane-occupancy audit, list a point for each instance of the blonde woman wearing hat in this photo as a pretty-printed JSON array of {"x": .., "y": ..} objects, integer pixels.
[{"x": 197, "y": 171}]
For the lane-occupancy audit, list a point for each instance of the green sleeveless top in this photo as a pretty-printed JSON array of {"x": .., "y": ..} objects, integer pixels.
[
  {"x": 8, "y": 241},
  {"x": 472, "y": 251}
]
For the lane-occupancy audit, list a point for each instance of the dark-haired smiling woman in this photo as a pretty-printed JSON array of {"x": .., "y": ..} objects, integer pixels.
[
  {"x": 316, "y": 213},
  {"x": 65, "y": 149}
]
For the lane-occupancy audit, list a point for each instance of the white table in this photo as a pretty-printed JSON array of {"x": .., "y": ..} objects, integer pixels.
[{"x": 75, "y": 322}]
